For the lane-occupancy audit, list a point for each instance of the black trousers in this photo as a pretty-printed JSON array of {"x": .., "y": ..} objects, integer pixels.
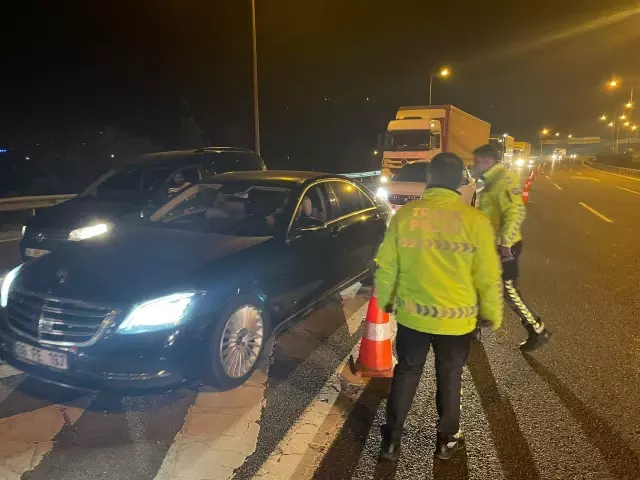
[
  {"x": 512, "y": 296},
  {"x": 451, "y": 354}
]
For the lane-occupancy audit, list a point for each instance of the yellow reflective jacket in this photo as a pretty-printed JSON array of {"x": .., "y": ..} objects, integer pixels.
[
  {"x": 501, "y": 201},
  {"x": 438, "y": 263}
]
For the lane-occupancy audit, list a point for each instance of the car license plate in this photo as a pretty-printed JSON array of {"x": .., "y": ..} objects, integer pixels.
[
  {"x": 31, "y": 354},
  {"x": 35, "y": 252}
]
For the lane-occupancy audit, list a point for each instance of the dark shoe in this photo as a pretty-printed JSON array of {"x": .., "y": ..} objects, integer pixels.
[
  {"x": 390, "y": 450},
  {"x": 535, "y": 340},
  {"x": 448, "y": 445}
]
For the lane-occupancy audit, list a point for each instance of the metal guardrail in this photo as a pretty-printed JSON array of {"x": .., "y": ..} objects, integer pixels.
[
  {"x": 629, "y": 172},
  {"x": 29, "y": 203}
]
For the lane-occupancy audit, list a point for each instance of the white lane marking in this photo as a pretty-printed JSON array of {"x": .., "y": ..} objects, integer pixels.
[
  {"x": 546, "y": 176},
  {"x": 219, "y": 432},
  {"x": 628, "y": 190},
  {"x": 557, "y": 186},
  {"x": 596, "y": 213},
  {"x": 7, "y": 370},
  {"x": 6, "y": 240},
  {"x": 316, "y": 428},
  {"x": 26, "y": 438},
  {"x": 594, "y": 179},
  {"x": 609, "y": 173},
  {"x": 579, "y": 173}
]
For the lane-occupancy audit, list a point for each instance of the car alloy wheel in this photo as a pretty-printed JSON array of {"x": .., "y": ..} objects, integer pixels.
[{"x": 241, "y": 341}]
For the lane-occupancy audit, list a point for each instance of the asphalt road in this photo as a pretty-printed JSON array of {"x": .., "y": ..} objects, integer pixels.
[{"x": 569, "y": 411}]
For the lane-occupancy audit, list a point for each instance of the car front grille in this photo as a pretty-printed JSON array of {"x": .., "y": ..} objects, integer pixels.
[
  {"x": 56, "y": 321},
  {"x": 402, "y": 199}
]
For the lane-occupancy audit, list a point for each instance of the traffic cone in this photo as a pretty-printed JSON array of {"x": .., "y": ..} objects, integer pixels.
[
  {"x": 375, "y": 358},
  {"x": 525, "y": 191}
]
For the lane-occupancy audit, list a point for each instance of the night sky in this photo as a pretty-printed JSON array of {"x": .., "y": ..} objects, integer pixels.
[{"x": 141, "y": 65}]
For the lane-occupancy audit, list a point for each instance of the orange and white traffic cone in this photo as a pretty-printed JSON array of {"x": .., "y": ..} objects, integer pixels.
[
  {"x": 525, "y": 191},
  {"x": 376, "y": 357}
]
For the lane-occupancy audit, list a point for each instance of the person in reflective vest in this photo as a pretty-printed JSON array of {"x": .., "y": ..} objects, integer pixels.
[
  {"x": 438, "y": 265},
  {"x": 501, "y": 200}
]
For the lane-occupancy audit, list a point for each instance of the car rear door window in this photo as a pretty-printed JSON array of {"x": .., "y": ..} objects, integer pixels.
[{"x": 348, "y": 198}]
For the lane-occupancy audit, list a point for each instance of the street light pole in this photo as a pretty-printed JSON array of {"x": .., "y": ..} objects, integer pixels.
[
  {"x": 256, "y": 107},
  {"x": 430, "y": 87}
]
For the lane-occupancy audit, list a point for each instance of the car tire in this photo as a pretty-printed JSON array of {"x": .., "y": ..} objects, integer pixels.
[{"x": 233, "y": 353}]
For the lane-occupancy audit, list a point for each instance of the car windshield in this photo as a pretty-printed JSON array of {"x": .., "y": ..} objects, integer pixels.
[
  {"x": 414, "y": 172},
  {"x": 407, "y": 140},
  {"x": 129, "y": 184},
  {"x": 236, "y": 208}
]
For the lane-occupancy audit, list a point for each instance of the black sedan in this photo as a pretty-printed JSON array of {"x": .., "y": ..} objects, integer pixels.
[{"x": 193, "y": 292}]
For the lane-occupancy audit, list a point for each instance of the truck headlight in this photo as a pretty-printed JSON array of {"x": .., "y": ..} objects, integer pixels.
[
  {"x": 88, "y": 232},
  {"x": 382, "y": 193},
  {"x": 520, "y": 162},
  {"x": 6, "y": 284},
  {"x": 158, "y": 314}
]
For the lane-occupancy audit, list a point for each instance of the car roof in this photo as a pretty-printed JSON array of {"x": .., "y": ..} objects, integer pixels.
[
  {"x": 288, "y": 178},
  {"x": 177, "y": 157}
]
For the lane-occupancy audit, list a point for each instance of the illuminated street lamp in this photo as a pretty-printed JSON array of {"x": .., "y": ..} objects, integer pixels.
[
  {"x": 557, "y": 134},
  {"x": 613, "y": 83},
  {"x": 569, "y": 136},
  {"x": 543, "y": 133},
  {"x": 444, "y": 72},
  {"x": 623, "y": 117},
  {"x": 611, "y": 124}
]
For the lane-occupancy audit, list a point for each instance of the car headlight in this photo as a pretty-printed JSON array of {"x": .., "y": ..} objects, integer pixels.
[
  {"x": 530, "y": 162},
  {"x": 384, "y": 179},
  {"x": 382, "y": 193},
  {"x": 88, "y": 232},
  {"x": 158, "y": 314},
  {"x": 520, "y": 162},
  {"x": 6, "y": 284}
]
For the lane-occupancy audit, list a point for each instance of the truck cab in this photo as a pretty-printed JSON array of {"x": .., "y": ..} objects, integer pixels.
[{"x": 414, "y": 136}]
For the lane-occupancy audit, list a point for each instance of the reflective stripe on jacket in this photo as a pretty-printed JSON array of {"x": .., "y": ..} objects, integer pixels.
[
  {"x": 438, "y": 264},
  {"x": 501, "y": 201}
]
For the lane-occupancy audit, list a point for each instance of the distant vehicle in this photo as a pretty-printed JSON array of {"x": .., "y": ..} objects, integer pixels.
[
  {"x": 419, "y": 133},
  {"x": 521, "y": 153},
  {"x": 195, "y": 291},
  {"x": 504, "y": 145},
  {"x": 559, "y": 154},
  {"x": 411, "y": 181},
  {"x": 137, "y": 188}
]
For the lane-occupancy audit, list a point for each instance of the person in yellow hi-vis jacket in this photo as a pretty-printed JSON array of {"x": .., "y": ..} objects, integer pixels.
[
  {"x": 438, "y": 265},
  {"x": 501, "y": 201}
]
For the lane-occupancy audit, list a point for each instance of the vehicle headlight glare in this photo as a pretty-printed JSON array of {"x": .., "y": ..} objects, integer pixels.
[
  {"x": 88, "y": 232},
  {"x": 520, "y": 162},
  {"x": 384, "y": 179},
  {"x": 382, "y": 193},
  {"x": 158, "y": 314},
  {"x": 6, "y": 284}
]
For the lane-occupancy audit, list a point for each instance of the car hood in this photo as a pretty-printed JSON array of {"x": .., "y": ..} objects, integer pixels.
[
  {"x": 134, "y": 262},
  {"x": 408, "y": 188},
  {"x": 80, "y": 212}
]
